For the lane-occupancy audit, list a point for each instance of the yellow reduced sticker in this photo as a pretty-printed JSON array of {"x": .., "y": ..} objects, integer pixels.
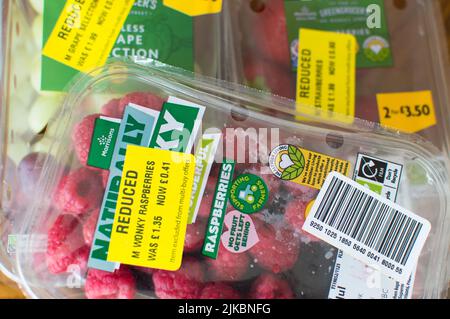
[
  {"x": 408, "y": 112},
  {"x": 195, "y": 7},
  {"x": 86, "y": 32},
  {"x": 295, "y": 164},
  {"x": 326, "y": 75},
  {"x": 152, "y": 208}
]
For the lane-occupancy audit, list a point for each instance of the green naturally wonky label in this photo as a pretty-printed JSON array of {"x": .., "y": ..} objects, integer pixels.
[
  {"x": 218, "y": 210},
  {"x": 151, "y": 30},
  {"x": 103, "y": 141},
  {"x": 136, "y": 128},
  {"x": 365, "y": 19},
  {"x": 204, "y": 156}
]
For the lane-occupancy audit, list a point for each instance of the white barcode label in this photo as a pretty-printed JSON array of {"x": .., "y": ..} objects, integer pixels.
[{"x": 367, "y": 226}]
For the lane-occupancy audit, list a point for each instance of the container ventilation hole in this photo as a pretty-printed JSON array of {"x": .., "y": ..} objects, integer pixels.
[
  {"x": 400, "y": 4},
  {"x": 257, "y": 6},
  {"x": 334, "y": 140}
]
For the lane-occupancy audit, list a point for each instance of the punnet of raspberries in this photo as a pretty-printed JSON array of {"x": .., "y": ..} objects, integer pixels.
[{"x": 266, "y": 270}]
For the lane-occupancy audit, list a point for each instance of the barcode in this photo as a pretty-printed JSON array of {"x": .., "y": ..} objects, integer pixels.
[{"x": 378, "y": 225}]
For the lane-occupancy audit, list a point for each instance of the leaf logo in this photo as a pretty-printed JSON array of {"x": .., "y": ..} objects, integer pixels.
[{"x": 298, "y": 160}]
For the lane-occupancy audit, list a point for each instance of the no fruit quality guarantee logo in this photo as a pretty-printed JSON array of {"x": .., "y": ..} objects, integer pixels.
[{"x": 287, "y": 162}]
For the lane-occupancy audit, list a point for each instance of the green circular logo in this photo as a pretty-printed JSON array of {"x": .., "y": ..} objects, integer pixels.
[{"x": 249, "y": 193}]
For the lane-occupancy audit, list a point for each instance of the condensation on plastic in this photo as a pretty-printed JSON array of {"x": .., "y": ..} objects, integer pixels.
[
  {"x": 417, "y": 39},
  {"x": 25, "y": 110},
  {"x": 236, "y": 106}
]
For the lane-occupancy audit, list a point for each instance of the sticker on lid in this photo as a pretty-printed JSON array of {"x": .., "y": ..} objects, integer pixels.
[
  {"x": 103, "y": 141},
  {"x": 85, "y": 32},
  {"x": 150, "y": 31},
  {"x": 292, "y": 163},
  {"x": 175, "y": 129},
  {"x": 365, "y": 19},
  {"x": 326, "y": 75},
  {"x": 367, "y": 226},
  {"x": 408, "y": 112},
  {"x": 241, "y": 233},
  {"x": 204, "y": 157},
  {"x": 249, "y": 193},
  {"x": 195, "y": 7},
  {"x": 352, "y": 279},
  {"x": 136, "y": 128},
  {"x": 219, "y": 207},
  {"x": 152, "y": 211}
]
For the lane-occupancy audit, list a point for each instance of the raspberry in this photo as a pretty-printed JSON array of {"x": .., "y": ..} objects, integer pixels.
[
  {"x": 89, "y": 226},
  {"x": 105, "y": 177},
  {"x": 79, "y": 192},
  {"x": 228, "y": 266},
  {"x": 277, "y": 249},
  {"x": 140, "y": 98},
  {"x": 205, "y": 206},
  {"x": 269, "y": 21},
  {"x": 65, "y": 245},
  {"x": 300, "y": 192},
  {"x": 82, "y": 137},
  {"x": 219, "y": 290},
  {"x": 105, "y": 285},
  {"x": 186, "y": 283},
  {"x": 295, "y": 215},
  {"x": 195, "y": 234},
  {"x": 268, "y": 286},
  {"x": 110, "y": 108}
]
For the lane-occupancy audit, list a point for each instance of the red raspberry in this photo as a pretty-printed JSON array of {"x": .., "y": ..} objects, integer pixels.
[
  {"x": 140, "y": 98},
  {"x": 300, "y": 192},
  {"x": 269, "y": 22},
  {"x": 65, "y": 245},
  {"x": 79, "y": 192},
  {"x": 295, "y": 215},
  {"x": 195, "y": 234},
  {"x": 89, "y": 226},
  {"x": 268, "y": 286},
  {"x": 277, "y": 249},
  {"x": 228, "y": 266},
  {"x": 205, "y": 206},
  {"x": 82, "y": 137},
  {"x": 110, "y": 108},
  {"x": 219, "y": 290},
  {"x": 105, "y": 285},
  {"x": 105, "y": 177},
  {"x": 186, "y": 283}
]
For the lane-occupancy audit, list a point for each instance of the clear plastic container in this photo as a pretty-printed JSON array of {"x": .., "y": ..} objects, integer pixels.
[
  {"x": 417, "y": 42},
  {"x": 299, "y": 266},
  {"x": 26, "y": 109}
]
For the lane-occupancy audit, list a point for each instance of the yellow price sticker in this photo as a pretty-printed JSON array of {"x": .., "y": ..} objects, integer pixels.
[
  {"x": 326, "y": 75},
  {"x": 408, "y": 112},
  {"x": 195, "y": 7},
  {"x": 86, "y": 32},
  {"x": 152, "y": 208}
]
